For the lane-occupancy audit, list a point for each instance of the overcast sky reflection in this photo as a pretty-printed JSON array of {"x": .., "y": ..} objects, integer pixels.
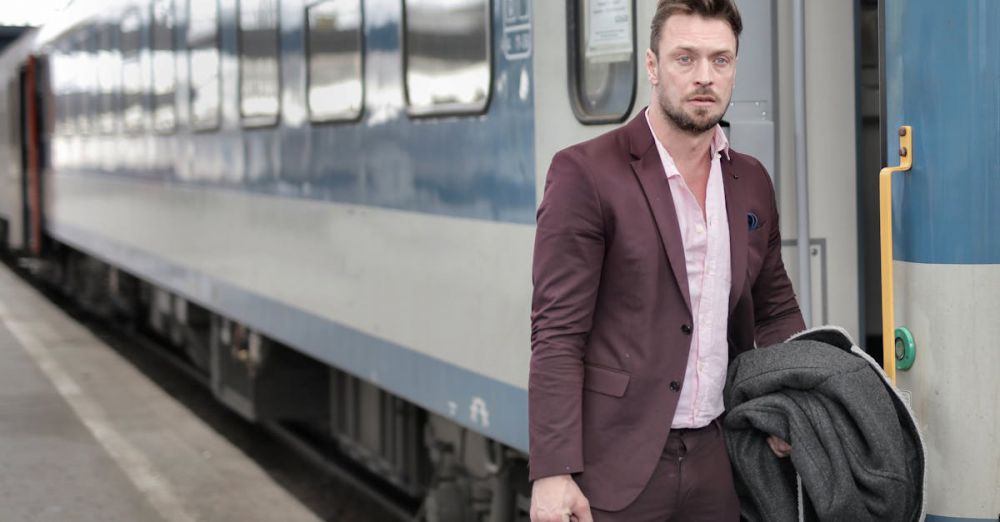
[{"x": 33, "y": 12}]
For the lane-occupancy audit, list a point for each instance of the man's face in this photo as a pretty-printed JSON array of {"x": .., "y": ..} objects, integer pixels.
[{"x": 692, "y": 78}]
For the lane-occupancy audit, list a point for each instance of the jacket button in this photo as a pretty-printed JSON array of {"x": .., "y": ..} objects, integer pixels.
[
  {"x": 675, "y": 386},
  {"x": 686, "y": 328}
]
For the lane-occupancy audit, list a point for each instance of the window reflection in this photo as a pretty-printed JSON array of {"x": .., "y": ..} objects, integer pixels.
[
  {"x": 203, "y": 42},
  {"x": 164, "y": 74},
  {"x": 132, "y": 80},
  {"x": 447, "y": 55},
  {"x": 109, "y": 80},
  {"x": 84, "y": 77},
  {"x": 259, "y": 83},
  {"x": 63, "y": 83},
  {"x": 335, "y": 83},
  {"x": 91, "y": 85}
]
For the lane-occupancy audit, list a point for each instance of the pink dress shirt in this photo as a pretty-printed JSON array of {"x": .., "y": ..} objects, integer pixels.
[{"x": 706, "y": 253}]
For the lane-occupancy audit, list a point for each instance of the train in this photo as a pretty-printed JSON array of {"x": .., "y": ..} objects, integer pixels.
[{"x": 326, "y": 207}]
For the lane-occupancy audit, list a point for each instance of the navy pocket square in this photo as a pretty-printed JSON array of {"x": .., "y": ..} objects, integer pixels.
[{"x": 753, "y": 222}]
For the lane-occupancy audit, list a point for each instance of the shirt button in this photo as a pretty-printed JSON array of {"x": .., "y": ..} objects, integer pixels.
[
  {"x": 700, "y": 229},
  {"x": 675, "y": 386},
  {"x": 686, "y": 328}
]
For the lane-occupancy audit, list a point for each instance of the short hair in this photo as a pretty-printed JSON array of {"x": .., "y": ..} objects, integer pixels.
[{"x": 718, "y": 9}]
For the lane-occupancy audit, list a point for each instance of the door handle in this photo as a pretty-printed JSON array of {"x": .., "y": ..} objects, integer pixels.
[{"x": 885, "y": 224}]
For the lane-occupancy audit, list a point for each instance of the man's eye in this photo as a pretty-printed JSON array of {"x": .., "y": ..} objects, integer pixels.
[
  {"x": 684, "y": 60},
  {"x": 722, "y": 61}
]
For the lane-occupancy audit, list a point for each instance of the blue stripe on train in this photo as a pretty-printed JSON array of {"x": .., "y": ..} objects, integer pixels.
[{"x": 946, "y": 210}]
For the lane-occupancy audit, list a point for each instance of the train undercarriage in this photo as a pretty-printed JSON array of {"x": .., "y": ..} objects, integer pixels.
[{"x": 438, "y": 470}]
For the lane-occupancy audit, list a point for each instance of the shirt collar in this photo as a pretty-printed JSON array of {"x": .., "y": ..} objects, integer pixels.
[{"x": 720, "y": 145}]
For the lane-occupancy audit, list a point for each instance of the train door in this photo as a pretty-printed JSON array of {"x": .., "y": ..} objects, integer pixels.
[
  {"x": 31, "y": 154},
  {"x": 940, "y": 76}
]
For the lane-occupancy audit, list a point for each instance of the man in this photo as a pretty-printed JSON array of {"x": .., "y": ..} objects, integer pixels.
[{"x": 657, "y": 260}]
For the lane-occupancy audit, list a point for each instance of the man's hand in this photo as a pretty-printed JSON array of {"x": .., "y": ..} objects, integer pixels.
[
  {"x": 558, "y": 499},
  {"x": 780, "y": 448}
]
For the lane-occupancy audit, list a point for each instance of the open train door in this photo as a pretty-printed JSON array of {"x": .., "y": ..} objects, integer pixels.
[
  {"x": 941, "y": 77},
  {"x": 32, "y": 153}
]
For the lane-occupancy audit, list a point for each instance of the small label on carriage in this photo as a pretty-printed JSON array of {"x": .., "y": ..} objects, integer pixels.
[{"x": 516, "y": 42}]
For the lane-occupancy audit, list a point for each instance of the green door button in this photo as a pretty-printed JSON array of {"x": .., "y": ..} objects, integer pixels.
[{"x": 906, "y": 349}]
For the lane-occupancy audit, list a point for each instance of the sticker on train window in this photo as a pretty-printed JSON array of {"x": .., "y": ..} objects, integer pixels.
[{"x": 609, "y": 29}]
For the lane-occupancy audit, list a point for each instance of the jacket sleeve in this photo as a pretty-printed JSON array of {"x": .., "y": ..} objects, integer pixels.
[
  {"x": 776, "y": 311},
  {"x": 566, "y": 272}
]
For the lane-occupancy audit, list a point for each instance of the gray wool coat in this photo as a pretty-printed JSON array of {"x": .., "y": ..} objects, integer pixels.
[{"x": 857, "y": 454}]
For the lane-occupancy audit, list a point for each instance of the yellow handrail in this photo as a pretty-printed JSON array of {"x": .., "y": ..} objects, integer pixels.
[{"x": 885, "y": 222}]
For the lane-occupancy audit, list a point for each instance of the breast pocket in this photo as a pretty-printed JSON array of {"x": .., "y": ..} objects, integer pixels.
[
  {"x": 607, "y": 381},
  {"x": 756, "y": 249}
]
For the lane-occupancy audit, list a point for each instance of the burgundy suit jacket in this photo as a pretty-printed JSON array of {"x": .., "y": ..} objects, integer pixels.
[{"x": 611, "y": 317}]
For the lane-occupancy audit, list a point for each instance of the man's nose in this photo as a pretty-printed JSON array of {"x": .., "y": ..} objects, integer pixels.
[{"x": 704, "y": 74}]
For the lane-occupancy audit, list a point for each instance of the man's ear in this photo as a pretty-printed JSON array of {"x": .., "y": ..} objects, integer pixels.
[{"x": 651, "y": 64}]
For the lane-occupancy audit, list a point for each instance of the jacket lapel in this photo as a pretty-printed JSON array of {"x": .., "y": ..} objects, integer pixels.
[
  {"x": 648, "y": 169},
  {"x": 737, "y": 214}
]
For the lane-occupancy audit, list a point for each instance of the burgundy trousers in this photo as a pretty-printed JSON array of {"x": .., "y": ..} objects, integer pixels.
[{"x": 693, "y": 482}]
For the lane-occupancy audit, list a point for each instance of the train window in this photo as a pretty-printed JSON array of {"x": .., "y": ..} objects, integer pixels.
[
  {"x": 94, "y": 79},
  {"x": 204, "y": 63},
  {"x": 132, "y": 78},
  {"x": 64, "y": 83},
  {"x": 73, "y": 85},
  {"x": 58, "y": 103},
  {"x": 84, "y": 78},
  {"x": 164, "y": 71},
  {"x": 602, "y": 59},
  {"x": 108, "y": 79},
  {"x": 335, "y": 63},
  {"x": 89, "y": 79},
  {"x": 447, "y": 53},
  {"x": 259, "y": 73},
  {"x": 63, "y": 77}
]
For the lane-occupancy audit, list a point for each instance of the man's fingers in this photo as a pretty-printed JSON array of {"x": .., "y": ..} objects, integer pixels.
[
  {"x": 776, "y": 443},
  {"x": 550, "y": 517},
  {"x": 780, "y": 448},
  {"x": 581, "y": 510},
  {"x": 558, "y": 499}
]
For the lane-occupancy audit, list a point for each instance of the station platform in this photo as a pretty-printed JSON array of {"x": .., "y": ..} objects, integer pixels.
[{"x": 85, "y": 436}]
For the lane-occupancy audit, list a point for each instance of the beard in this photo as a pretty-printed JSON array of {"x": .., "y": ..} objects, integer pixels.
[{"x": 699, "y": 122}]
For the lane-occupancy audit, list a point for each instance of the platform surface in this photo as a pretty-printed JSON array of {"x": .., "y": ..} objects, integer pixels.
[{"x": 85, "y": 436}]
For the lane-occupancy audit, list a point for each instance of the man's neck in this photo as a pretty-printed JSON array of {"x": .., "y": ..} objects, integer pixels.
[{"x": 689, "y": 151}]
